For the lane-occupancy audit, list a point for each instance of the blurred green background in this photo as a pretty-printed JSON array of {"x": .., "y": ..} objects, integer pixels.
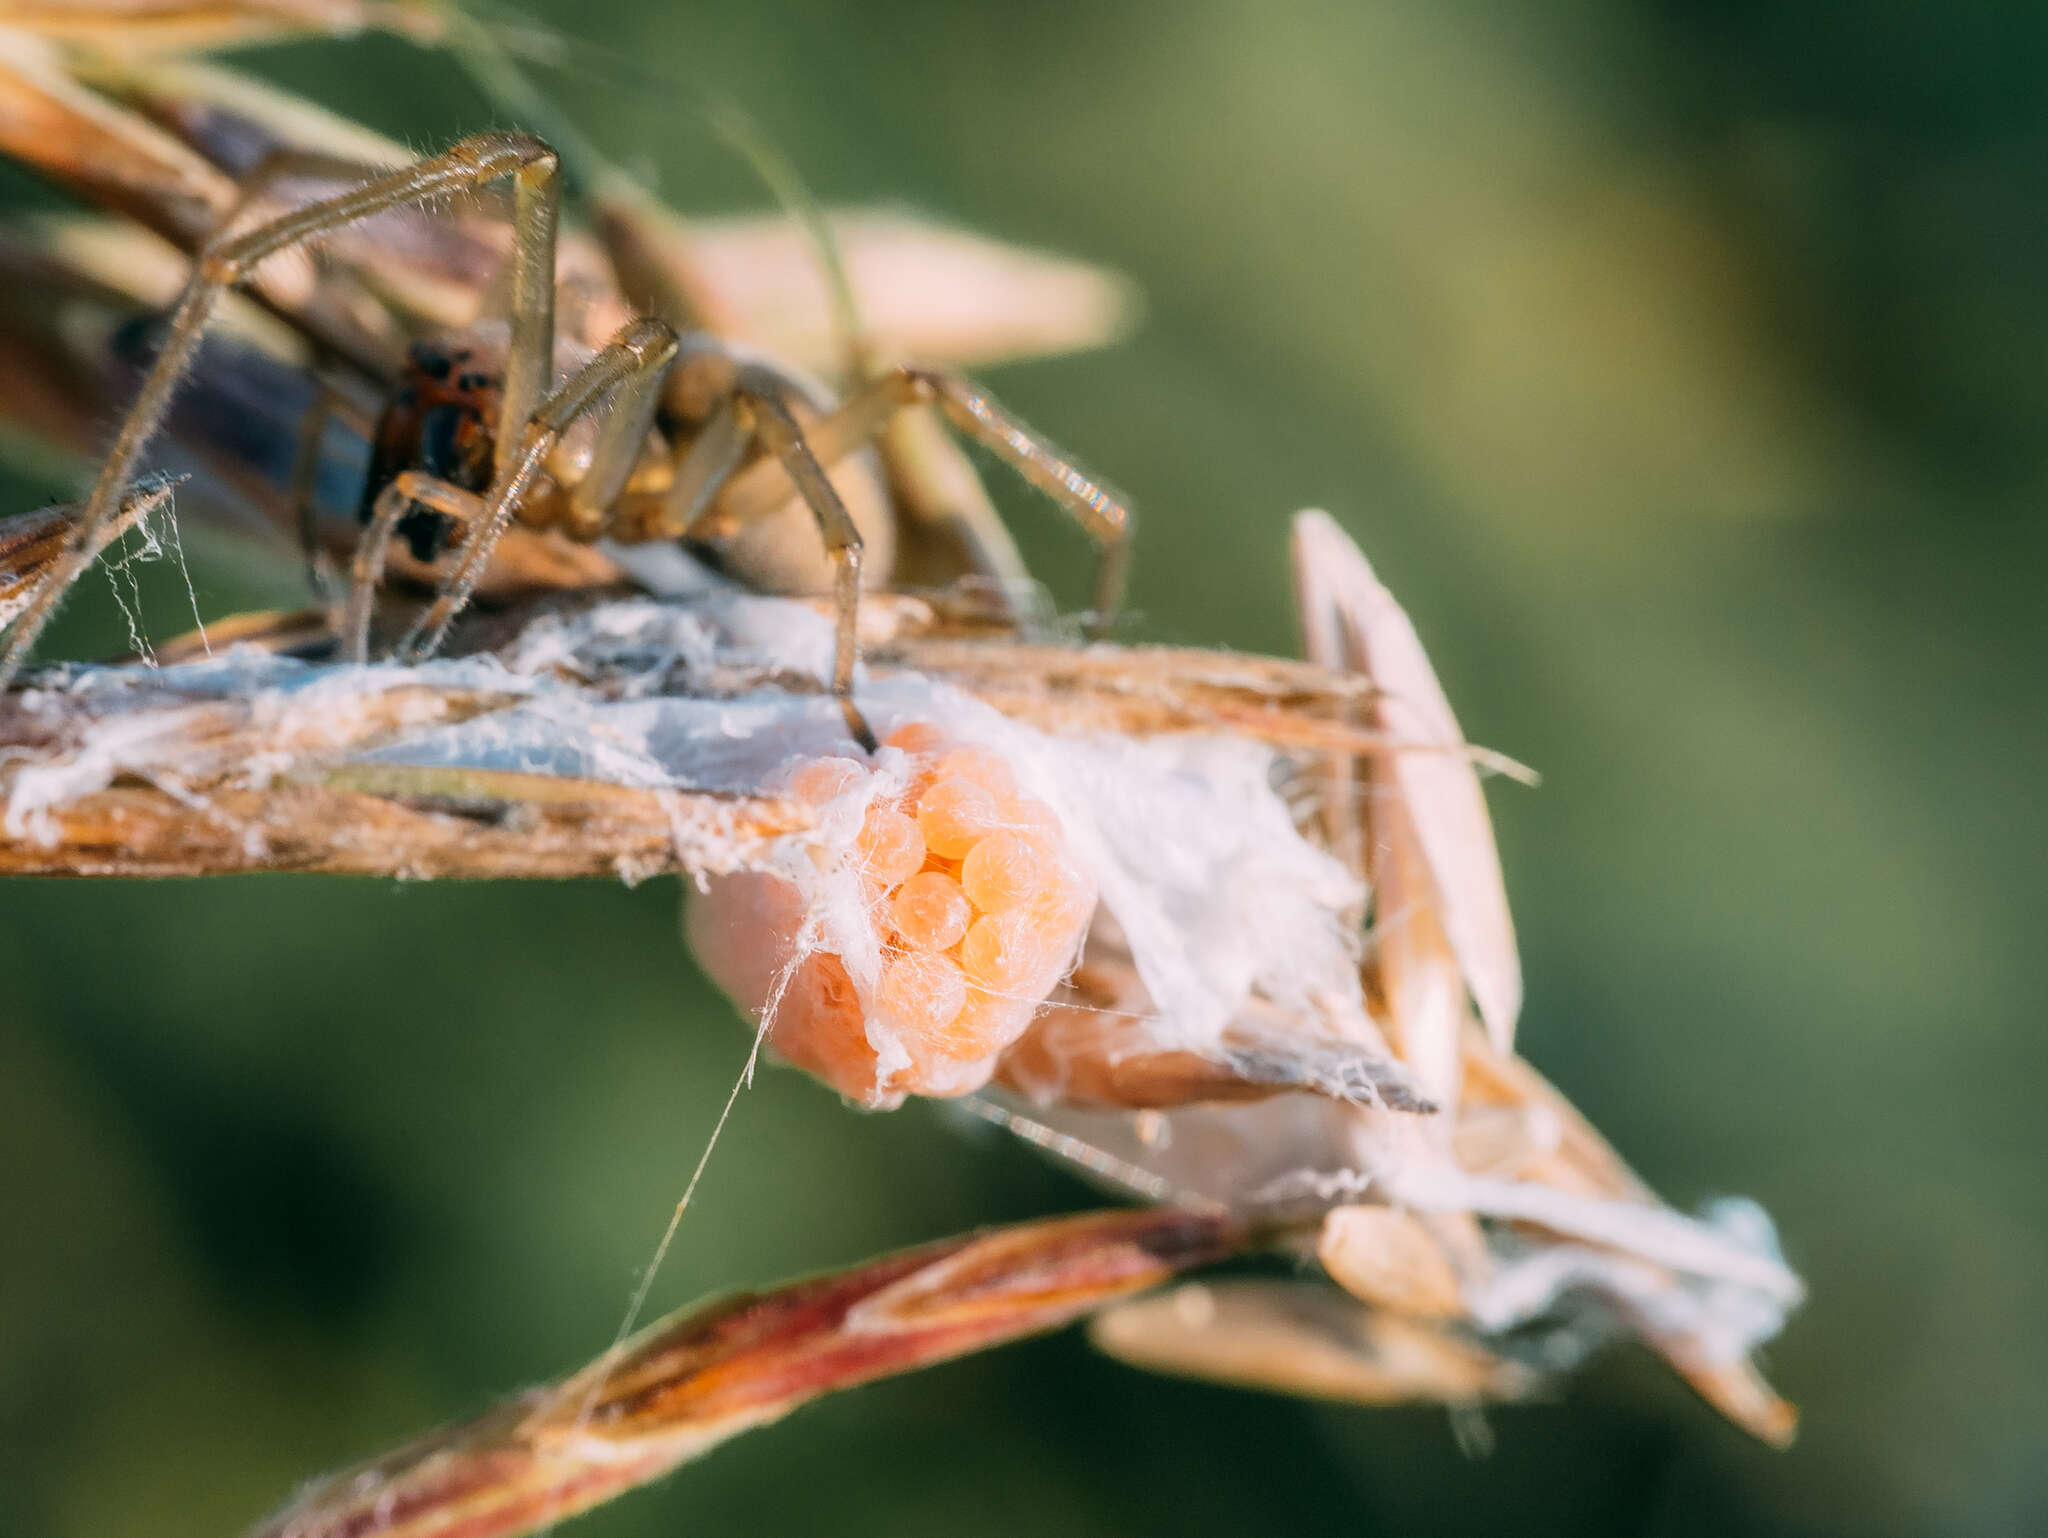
[{"x": 1685, "y": 370}]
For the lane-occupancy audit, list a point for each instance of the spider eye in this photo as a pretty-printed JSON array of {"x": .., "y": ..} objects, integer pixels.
[{"x": 431, "y": 360}]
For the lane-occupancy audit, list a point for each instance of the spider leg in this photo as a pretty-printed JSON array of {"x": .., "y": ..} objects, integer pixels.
[
  {"x": 951, "y": 527},
  {"x": 333, "y": 307},
  {"x": 312, "y": 443},
  {"x": 1104, "y": 514},
  {"x": 622, "y": 432},
  {"x": 408, "y": 489},
  {"x": 628, "y": 373},
  {"x": 714, "y": 453},
  {"x": 229, "y": 259},
  {"x": 759, "y": 395}
]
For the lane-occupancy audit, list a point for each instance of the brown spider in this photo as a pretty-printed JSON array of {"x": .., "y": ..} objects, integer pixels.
[{"x": 675, "y": 416}]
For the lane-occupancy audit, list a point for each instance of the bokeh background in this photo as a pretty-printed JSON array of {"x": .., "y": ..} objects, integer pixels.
[{"x": 1683, "y": 367}]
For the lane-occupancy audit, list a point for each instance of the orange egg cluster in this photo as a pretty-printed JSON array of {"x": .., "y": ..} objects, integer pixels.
[{"x": 979, "y": 911}]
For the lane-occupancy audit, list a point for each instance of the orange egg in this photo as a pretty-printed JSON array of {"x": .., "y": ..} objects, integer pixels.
[
  {"x": 917, "y": 738},
  {"x": 1024, "y": 815},
  {"x": 955, "y": 815},
  {"x": 980, "y": 766},
  {"x": 824, "y": 778},
  {"x": 1065, "y": 904},
  {"x": 1006, "y": 870},
  {"x": 920, "y": 993},
  {"x": 891, "y": 847},
  {"x": 930, "y": 912},
  {"x": 1001, "y": 951},
  {"x": 985, "y": 1025},
  {"x": 819, "y": 1027}
]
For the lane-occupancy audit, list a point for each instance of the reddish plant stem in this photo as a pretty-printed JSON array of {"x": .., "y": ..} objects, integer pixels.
[{"x": 690, "y": 1381}]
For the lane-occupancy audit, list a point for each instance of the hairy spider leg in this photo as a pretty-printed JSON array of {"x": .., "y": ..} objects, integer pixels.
[
  {"x": 280, "y": 165},
  {"x": 405, "y": 491},
  {"x": 1103, "y": 513},
  {"x": 760, "y": 395}
]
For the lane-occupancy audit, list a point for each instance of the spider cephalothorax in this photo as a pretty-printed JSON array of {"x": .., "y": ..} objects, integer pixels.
[{"x": 438, "y": 421}]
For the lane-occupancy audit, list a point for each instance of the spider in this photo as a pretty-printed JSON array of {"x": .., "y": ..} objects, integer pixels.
[{"x": 689, "y": 435}]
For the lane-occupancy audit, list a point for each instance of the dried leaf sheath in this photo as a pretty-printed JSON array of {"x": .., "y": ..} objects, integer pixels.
[{"x": 689, "y": 1382}]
